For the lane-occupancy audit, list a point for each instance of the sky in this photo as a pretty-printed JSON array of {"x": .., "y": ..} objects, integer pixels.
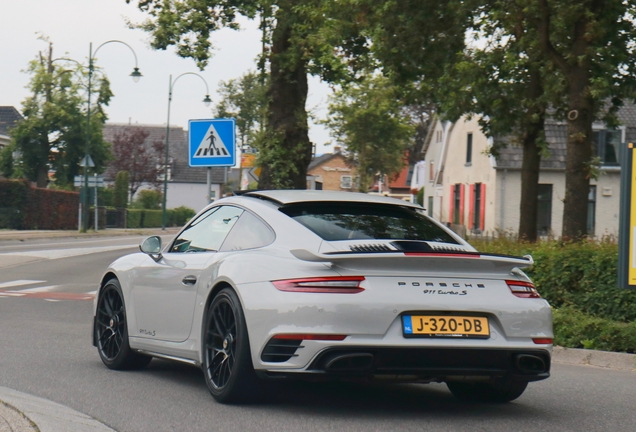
[{"x": 72, "y": 25}]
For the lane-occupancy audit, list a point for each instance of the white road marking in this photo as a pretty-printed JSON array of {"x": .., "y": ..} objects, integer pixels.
[
  {"x": 35, "y": 290},
  {"x": 92, "y": 292},
  {"x": 11, "y": 294},
  {"x": 20, "y": 282}
]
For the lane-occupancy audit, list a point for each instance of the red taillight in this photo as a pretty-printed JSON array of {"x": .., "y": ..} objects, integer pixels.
[
  {"x": 328, "y": 285},
  {"x": 310, "y": 337},
  {"x": 523, "y": 289},
  {"x": 542, "y": 340}
]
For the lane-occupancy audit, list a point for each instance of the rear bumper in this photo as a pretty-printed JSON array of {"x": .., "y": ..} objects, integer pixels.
[{"x": 425, "y": 364}]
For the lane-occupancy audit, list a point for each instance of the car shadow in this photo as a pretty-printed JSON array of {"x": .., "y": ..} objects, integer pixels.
[{"x": 347, "y": 399}]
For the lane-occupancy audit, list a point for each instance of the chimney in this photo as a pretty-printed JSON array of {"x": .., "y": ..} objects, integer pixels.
[{"x": 336, "y": 149}]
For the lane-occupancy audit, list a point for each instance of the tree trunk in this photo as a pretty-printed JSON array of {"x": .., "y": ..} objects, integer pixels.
[
  {"x": 287, "y": 151},
  {"x": 531, "y": 162},
  {"x": 579, "y": 156}
]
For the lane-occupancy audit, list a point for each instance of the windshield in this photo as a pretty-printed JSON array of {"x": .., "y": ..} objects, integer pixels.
[{"x": 347, "y": 221}]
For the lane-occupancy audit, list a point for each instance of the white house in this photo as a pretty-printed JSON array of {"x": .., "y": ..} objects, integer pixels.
[
  {"x": 187, "y": 186},
  {"x": 477, "y": 193},
  {"x": 9, "y": 116}
]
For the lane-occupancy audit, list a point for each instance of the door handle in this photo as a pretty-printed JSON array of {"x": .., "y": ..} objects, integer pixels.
[{"x": 189, "y": 280}]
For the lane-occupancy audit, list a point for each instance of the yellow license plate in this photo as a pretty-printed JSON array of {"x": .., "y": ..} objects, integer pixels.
[{"x": 445, "y": 325}]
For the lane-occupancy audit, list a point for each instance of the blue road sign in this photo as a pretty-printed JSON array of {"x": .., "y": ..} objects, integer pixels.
[{"x": 212, "y": 142}]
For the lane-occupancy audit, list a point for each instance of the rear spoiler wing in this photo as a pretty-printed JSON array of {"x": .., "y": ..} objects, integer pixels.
[{"x": 425, "y": 259}]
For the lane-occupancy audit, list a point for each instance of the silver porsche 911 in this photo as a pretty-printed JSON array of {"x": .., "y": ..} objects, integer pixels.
[{"x": 325, "y": 285}]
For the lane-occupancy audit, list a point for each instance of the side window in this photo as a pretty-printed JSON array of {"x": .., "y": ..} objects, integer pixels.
[
  {"x": 208, "y": 232},
  {"x": 248, "y": 233}
]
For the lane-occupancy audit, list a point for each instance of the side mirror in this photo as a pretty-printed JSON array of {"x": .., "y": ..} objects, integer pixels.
[{"x": 152, "y": 247}]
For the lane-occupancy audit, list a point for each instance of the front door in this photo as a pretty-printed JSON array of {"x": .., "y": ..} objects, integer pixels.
[{"x": 165, "y": 292}]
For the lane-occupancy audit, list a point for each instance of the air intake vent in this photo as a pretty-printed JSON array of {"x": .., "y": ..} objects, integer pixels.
[
  {"x": 280, "y": 350},
  {"x": 446, "y": 248},
  {"x": 370, "y": 248}
]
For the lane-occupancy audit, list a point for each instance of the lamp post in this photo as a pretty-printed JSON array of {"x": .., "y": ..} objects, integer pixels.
[
  {"x": 207, "y": 102},
  {"x": 135, "y": 76}
]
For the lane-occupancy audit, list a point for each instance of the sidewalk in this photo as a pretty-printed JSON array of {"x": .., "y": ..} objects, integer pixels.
[
  {"x": 109, "y": 232},
  {"x": 20, "y": 412}
]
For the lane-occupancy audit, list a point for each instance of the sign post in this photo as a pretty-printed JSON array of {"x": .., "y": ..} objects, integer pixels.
[{"x": 627, "y": 227}]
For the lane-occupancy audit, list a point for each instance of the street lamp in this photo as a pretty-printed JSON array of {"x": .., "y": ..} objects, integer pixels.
[
  {"x": 135, "y": 76},
  {"x": 207, "y": 102}
]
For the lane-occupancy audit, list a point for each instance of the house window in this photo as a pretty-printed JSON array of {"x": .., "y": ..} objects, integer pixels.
[
  {"x": 477, "y": 206},
  {"x": 430, "y": 206},
  {"x": 544, "y": 209},
  {"x": 431, "y": 171},
  {"x": 591, "y": 210},
  {"x": 469, "y": 149},
  {"x": 606, "y": 145},
  {"x": 346, "y": 182},
  {"x": 457, "y": 203}
]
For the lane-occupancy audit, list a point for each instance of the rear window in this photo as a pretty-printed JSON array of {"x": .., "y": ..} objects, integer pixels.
[{"x": 350, "y": 221}]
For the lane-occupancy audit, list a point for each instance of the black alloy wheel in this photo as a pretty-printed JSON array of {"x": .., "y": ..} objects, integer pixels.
[
  {"x": 111, "y": 331},
  {"x": 227, "y": 363}
]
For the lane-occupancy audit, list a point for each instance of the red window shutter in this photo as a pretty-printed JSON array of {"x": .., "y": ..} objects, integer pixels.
[
  {"x": 452, "y": 202},
  {"x": 461, "y": 204},
  {"x": 482, "y": 209},
  {"x": 471, "y": 207}
]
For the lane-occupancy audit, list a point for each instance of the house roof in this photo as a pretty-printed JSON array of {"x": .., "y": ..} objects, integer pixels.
[
  {"x": 319, "y": 160},
  {"x": 178, "y": 152},
  {"x": 511, "y": 156},
  {"x": 403, "y": 178},
  {"x": 9, "y": 116}
]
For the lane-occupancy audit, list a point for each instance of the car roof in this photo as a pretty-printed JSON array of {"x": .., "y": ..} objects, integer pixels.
[{"x": 302, "y": 196}]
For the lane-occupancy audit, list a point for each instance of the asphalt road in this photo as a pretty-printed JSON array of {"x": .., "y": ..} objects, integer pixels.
[{"x": 45, "y": 350}]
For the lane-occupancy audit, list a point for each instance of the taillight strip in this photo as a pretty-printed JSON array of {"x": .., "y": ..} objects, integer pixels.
[
  {"x": 325, "y": 285},
  {"x": 542, "y": 341},
  {"x": 523, "y": 289}
]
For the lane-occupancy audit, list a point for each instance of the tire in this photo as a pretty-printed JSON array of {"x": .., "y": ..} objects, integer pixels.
[
  {"x": 227, "y": 362},
  {"x": 498, "y": 392},
  {"x": 111, "y": 331}
]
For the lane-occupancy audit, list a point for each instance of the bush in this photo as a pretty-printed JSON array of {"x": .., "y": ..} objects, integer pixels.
[
  {"x": 180, "y": 216},
  {"x": 580, "y": 275},
  {"x": 575, "y": 329},
  {"x": 148, "y": 199}
]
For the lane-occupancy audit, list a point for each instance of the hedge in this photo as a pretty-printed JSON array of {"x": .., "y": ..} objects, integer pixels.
[
  {"x": 580, "y": 275},
  {"x": 25, "y": 207},
  {"x": 575, "y": 329},
  {"x": 140, "y": 218}
]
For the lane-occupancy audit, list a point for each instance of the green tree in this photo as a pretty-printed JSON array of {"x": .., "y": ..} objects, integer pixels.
[
  {"x": 369, "y": 119},
  {"x": 503, "y": 78},
  {"x": 295, "y": 47},
  {"x": 53, "y": 133},
  {"x": 245, "y": 100},
  {"x": 591, "y": 43}
]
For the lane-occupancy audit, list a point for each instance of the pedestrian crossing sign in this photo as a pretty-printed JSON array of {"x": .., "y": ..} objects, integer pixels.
[{"x": 212, "y": 142}]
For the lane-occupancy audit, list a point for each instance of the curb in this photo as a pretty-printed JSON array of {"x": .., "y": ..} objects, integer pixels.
[
  {"x": 26, "y": 413},
  {"x": 603, "y": 359}
]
